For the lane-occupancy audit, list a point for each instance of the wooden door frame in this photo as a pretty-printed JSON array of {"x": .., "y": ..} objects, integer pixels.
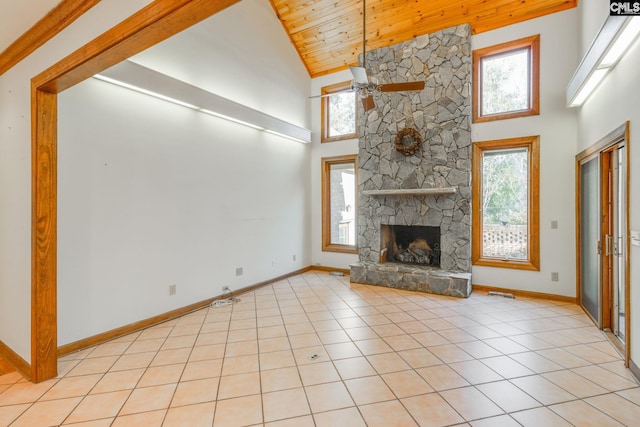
[
  {"x": 154, "y": 23},
  {"x": 606, "y": 222},
  {"x": 601, "y": 147}
]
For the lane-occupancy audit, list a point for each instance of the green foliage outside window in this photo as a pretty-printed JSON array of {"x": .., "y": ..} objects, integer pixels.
[
  {"x": 505, "y": 82},
  {"x": 505, "y": 187},
  {"x": 342, "y": 114}
]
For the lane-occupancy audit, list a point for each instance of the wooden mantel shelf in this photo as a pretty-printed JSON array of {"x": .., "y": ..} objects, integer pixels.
[{"x": 411, "y": 192}]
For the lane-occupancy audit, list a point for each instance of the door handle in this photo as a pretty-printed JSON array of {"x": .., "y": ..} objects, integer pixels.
[
  {"x": 608, "y": 240},
  {"x": 617, "y": 247}
]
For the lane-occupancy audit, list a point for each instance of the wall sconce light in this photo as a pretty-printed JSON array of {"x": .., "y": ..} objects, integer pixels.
[
  {"x": 132, "y": 76},
  {"x": 612, "y": 42}
]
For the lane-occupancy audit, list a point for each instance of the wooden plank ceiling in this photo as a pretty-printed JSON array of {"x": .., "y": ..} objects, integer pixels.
[{"x": 328, "y": 33}]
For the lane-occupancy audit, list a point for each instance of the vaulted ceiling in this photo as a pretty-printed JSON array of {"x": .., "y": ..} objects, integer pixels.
[{"x": 328, "y": 33}]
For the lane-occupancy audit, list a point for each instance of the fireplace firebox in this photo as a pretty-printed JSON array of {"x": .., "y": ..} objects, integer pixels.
[{"x": 410, "y": 244}]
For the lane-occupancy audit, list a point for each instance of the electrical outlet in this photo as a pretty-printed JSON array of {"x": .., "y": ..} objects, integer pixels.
[
  {"x": 294, "y": 257},
  {"x": 555, "y": 276},
  {"x": 172, "y": 289},
  {"x": 239, "y": 271},
  {"x": 273, "y": 262}
]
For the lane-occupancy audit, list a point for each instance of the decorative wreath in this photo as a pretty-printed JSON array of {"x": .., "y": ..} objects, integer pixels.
[{"x": 408, "y": 141}]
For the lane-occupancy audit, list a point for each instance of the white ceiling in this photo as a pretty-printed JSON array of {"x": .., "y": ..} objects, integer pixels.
[{"x": 17, "y": 16}]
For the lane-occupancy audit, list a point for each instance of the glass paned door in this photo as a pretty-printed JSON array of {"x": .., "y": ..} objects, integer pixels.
[
  {"x": 590, "y": 237},
  {"x": 603, "y": 231}
]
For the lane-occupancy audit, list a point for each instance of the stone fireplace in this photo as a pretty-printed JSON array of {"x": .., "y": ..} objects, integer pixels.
[{"x": 422, "y": 192}]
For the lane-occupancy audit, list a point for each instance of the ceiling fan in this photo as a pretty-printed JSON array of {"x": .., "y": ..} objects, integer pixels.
[{"x": 365, "y": 86}]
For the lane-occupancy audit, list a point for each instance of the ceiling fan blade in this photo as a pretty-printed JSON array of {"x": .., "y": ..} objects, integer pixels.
[
  {"x": 398, "y": 87},
  {"x": 359, "y": 75},
  {"x": 331, "y": 94},
  {"x": 368, "y": 103}
]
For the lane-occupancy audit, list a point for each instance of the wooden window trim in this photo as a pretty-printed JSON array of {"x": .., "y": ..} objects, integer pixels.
[
  {"x": 327, "y": 162},
  {"x": 325, "y": 111},
  {"x": 533, "y": 144},
  {"x": 533, "y": 44}
]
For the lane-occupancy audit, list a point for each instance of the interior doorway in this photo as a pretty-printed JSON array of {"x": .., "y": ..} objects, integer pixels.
[
  {"x": 152, "y": 24},
  {"x": 602, "y": 179}
]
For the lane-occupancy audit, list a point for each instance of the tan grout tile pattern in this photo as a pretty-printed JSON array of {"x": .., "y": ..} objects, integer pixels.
[{"x": 315, "y": 350}]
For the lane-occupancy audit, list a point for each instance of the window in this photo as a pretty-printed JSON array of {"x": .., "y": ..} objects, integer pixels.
[
  {"x": 338, "y": 113},
  {"x": 506, "y": 226},
  {"x": 507, "y": 80},
  {"x": 339, "y": 213}
]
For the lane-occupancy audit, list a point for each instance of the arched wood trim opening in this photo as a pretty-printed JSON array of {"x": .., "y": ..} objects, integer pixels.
[{"x": 149, "y": 26}]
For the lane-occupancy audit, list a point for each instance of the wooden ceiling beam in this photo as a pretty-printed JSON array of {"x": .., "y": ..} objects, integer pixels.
[{"x": 42, "y": 31}]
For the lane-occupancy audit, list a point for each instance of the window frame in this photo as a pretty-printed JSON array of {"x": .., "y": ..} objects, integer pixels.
[
  {"x": 532, "y": 143},
  {"x": 325, "y": 112},
  {"x": 327, "y": 162},
  {"x": 531, "y": 43}
]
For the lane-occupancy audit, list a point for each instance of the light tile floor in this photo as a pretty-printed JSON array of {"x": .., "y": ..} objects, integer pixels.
[{"x": 315, "y": 350}]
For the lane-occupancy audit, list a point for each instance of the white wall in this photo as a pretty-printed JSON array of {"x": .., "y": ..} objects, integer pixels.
[
  {"x": 556, "y": 126},
  {"x": 15, "y": 166},
  {"x": 320, "y": 150},
  {"x": 242, "y": 54},
  {"x": 615, "y": 101},
  {"x": 152, "y": 194},
  {"x": 592, "y": 14}
]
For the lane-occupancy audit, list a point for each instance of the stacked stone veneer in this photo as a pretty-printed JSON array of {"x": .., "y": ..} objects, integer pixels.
[{"x": 441, "y": 113}]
